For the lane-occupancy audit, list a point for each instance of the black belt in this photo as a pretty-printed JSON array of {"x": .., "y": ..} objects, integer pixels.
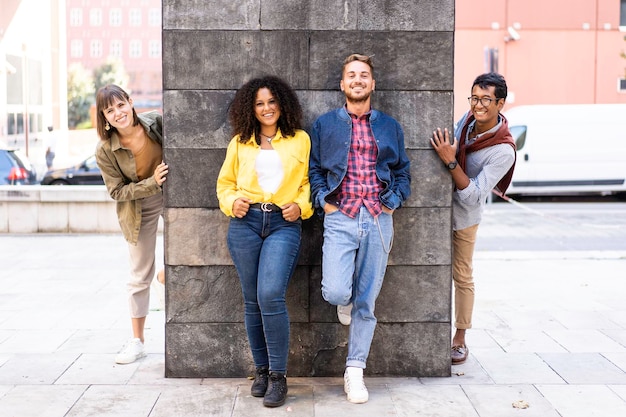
[{"x": 266, "y": 207}]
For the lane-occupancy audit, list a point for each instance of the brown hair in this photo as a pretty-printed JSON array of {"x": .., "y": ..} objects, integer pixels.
[
  {"x": 358, "y": 57},
  {"x": 104, "y": 98}
]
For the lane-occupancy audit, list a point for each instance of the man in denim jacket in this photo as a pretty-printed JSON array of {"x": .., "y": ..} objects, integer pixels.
[{"x": 359, "y": 174}]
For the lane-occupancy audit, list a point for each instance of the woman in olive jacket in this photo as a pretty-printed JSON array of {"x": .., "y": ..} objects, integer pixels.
[{"x": 130, "y": 156}]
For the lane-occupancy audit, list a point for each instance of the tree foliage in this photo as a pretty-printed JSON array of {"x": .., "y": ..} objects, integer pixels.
[
  {"x": 110, "y": 72},
  {"x": 80, "y": 95},
  {"x": 82, "y": 86}
]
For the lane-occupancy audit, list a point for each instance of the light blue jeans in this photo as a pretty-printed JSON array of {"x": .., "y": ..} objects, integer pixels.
[
  {"x": 355, "y": 253},
  {"x": 265, "y": 249}
]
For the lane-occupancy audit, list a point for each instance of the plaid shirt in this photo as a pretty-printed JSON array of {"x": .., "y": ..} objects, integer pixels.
[{"x": 360, "y": 186}]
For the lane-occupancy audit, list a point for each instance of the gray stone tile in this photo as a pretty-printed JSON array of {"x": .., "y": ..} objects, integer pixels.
[
  {"x": 584, "y": 368},
  {"x": 4, "y": 389},
  {"x": 617, "y": 359},
  {"x": 481, "y": 340},
  {"x": 5, "y": 357},
  {"x": 580, "y": 341},
  {"x": 530, "y": 320},
  {"x": 517, "y": 368},
  {"x": 584, "y": 400},
  {"x": 432, "y": 401},
  {"x": 585, "y": 320},
  {"x": 98, "y": 369},
  {"x": 116, "y": 401},
  {"x": 526, "y": 341},
  {"x": 618, "y": 336},
  {"x": 299, "y": 403},
  {"x": 39, "y": 400},
  {"x": 151, "y": 371},
  {"x": 195, "y": 401},
  {"x": 330, "y": 400},
  {"x": 27, "y": 369},
  {"x": 619, "y": 390},
  {"x": 95, "y": 341},
  {"x": 497, "y": 401},
  {"x": 470, "y": 372}
]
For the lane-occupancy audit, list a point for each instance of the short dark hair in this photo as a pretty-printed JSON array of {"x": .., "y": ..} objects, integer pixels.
[
  {"x": 358, "y": 57},
  {"x": 104, "y": 98},
  {"x": 492, "y": 79},
  {"x": 241, "y": 113}
]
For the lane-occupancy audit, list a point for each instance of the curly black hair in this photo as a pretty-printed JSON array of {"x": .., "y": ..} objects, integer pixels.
[{"x": 241, "y": 113}]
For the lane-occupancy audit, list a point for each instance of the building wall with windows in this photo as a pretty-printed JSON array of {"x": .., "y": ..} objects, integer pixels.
[
  {"x": 32, "y": 72},
  {"x": 556, "y": 51},
  {"x": 124, "y": 29}
]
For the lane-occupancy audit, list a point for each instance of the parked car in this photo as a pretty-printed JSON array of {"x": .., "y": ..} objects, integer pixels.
[
  {"x": 85, "y": 173},
  {"x": 15, "y": 168}
]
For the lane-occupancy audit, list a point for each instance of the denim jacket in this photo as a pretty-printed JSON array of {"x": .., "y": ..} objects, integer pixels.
[{"x": 330, "y": 144}]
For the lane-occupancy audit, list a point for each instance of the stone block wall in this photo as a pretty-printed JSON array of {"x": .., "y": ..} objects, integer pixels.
[{"x": 210, "y": 48}]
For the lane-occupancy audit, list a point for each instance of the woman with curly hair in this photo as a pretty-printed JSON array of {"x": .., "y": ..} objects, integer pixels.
[{"x": 263, "y": 186}]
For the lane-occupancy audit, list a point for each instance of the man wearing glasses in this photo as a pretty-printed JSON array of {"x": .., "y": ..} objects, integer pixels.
[{"x": 481, "y": 157}]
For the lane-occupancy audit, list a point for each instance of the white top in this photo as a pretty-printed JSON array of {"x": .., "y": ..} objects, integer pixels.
[{"x": 269, "y": 170}]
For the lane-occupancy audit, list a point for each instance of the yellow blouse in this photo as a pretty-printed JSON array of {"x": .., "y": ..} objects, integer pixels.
[{"x": 238, "y": 178}]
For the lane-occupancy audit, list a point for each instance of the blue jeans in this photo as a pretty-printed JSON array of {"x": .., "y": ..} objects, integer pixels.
[
  {"x": 264, "y": 248},
  {"x": 355, "y": 253}
]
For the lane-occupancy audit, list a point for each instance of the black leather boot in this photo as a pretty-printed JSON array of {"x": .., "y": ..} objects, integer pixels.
[
  {"x": 276, "y": 391},
  {"x": 259, "y": 386}
]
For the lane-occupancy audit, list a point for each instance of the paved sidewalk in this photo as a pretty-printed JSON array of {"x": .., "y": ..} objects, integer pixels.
[{"x": 550, "y": 332}]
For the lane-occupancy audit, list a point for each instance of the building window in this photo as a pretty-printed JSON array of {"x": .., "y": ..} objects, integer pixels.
[
  {"x": 116, "y": 49},
  {"x": 134, "y": 17},
  {"x": 76, "y": 17},
  {"x": 134, "y": 49},
  {"x": 115, "y": 17},
  {"x": 96, "y": 49},
  {"x": 154, "y": 49},
  {"x": 622, "y": 14},
  {"x": 154, "y": 17},
  {"x": 76, "y": 48},
  {"x": 95, "y": 17}
]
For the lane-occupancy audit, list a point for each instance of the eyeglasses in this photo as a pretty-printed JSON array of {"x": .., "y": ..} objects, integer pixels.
[{"x": 485, "y": 101}]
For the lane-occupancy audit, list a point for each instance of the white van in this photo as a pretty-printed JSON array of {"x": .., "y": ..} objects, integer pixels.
[{"x": 569, "y": 149}]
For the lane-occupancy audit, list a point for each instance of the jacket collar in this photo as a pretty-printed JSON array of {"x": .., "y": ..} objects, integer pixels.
[
  {"x": 145, "y": 119},
  {"x": 342, "y": 113}
]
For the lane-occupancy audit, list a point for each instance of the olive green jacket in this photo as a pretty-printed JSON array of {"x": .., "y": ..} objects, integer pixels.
[{"x": 117, "y": 165}]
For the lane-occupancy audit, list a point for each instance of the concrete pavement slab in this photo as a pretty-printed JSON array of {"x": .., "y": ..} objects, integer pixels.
[
  {"x": 517, "y": 368},
  {"x": 35, "y": 369},
  {"x": 501, "y": 401},
  {"x": 519, "y": 298},
  {"x": 584, "y": 400},
  {"x": 432, "y": 401},
  {"x": 584, "y": 368},
  {"x": 116, "y": 401},
  {"x": 39, "y": 400}
]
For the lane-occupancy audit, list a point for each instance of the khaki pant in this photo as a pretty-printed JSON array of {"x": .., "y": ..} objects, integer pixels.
[
  {"x": 463, "y": 242},
  {"x": 142, "y": 257}
]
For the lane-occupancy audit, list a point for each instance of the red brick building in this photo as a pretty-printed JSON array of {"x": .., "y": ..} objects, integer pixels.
[{"x": 126, "y": 29}]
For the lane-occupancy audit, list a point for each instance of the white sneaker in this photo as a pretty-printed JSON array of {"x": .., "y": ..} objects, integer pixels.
[
  {"x": 343, "y": 314},
  {"x": 354, "y": 386},
  {"x": 132, "y": 351}
]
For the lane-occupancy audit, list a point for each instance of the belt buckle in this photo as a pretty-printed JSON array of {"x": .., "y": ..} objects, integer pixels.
[{"x": 266, "y": 207}]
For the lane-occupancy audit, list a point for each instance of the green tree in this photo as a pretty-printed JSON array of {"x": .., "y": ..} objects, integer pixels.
[
  {"x": 112, "y": 71},
  {"x": 80, "y": 95}
]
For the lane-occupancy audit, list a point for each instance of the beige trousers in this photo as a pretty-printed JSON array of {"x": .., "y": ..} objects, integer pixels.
[
  {"x": 142, "y": 257},
  {"x": 463, "y": 242}
]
